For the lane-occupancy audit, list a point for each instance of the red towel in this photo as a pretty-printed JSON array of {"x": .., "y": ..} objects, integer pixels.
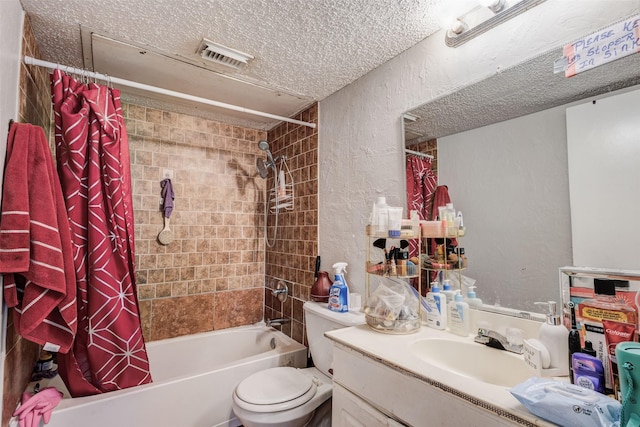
[{"x": 35, "y": 243}]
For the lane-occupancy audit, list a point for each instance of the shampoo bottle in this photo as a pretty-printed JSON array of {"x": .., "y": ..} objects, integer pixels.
[
  {"x": 459, "y": 322},
  {"x": 555, "y": 337},
  {"x": 339, "y": 291},
  {"x": 436, "y": 308}
]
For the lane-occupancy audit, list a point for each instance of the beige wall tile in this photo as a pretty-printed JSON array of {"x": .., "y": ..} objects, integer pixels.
[
  {"x": 237, "y": 308},
  {"x": 173, "y": 317}
]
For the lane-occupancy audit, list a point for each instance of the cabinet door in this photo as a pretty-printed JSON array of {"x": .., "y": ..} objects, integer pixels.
[{"x": 351, "y": 411}]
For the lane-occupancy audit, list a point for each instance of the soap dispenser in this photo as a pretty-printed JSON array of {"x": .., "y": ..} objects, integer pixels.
[{"x": 555, "y": 337}]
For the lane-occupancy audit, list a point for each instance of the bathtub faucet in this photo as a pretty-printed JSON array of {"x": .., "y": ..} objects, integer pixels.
[{"x": 278, "y": 322}]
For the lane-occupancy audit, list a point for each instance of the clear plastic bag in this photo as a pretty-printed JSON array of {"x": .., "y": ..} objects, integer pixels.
[{"x": 392, "y": 307}]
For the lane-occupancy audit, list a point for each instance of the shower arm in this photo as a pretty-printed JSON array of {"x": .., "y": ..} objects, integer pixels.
[{"x": 274, "y": 161}]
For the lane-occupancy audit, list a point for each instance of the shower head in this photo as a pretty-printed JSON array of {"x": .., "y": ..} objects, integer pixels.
[
  {"x": 263, "y": 145},
  {"x": 263, "y": 165},
  {"x": 263, "y": 168}
]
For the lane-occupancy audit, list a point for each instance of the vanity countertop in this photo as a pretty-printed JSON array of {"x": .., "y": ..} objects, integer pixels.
[{"x": 394, "y": 352}]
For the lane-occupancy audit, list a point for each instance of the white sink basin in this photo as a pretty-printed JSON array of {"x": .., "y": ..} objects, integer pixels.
[{"x": 473, "y": 360}]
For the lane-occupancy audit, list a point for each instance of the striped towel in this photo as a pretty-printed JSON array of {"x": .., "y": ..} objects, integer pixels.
[{"x": 36, "y": 256}]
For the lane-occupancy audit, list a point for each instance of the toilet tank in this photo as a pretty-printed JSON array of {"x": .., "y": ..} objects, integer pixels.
[{"x": 319, "y": 319}]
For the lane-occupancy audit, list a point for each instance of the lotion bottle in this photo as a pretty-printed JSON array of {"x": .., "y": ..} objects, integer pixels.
[
  {"x": 459, "y": 322},
  {"x": 446, "y": 289},
  {"x": 555, "y": 337},
  {"x": 436, "y": 308},
  {"x": 450, "y": 294},
  {"x": 471, "y": 299}
]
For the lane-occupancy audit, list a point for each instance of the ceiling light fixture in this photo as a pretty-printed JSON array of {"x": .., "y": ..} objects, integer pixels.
[
  {"x": 483, "y": 17},
  {"x": 457, "y": 27},
  {"x": 494, "y": 5}
]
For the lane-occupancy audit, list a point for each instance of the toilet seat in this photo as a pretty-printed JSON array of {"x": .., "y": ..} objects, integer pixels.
[{"x": 275, "y": 389}]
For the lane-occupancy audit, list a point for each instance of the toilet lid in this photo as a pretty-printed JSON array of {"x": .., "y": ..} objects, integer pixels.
[{"x": 275, "y": 389}]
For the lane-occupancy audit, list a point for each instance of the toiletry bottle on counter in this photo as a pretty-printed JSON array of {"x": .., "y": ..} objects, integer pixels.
[
  {"x": 437, "y": 308},
  {"x": 555, "y": 337},
  {"x": 446, "y": 289},
  {"x": 339, "y": 291},
  {"x": 459, "y": 322},
  {"x": 471, "y": 298}
]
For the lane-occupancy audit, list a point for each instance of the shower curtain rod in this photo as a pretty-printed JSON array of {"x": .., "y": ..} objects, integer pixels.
[
  {"x": 419, "y": 154},
  {"x": 90, "y": 74}
]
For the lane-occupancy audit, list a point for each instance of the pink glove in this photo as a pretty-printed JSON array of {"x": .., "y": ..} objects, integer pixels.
[{"x": 36, "y": 406}]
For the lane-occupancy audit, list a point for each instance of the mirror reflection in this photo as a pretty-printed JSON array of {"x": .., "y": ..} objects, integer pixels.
[{"x": 500, "y": 147}]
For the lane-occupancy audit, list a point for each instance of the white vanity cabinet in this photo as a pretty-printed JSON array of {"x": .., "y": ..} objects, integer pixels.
[
  {"x": 348, "y": 410},
  {"x": 369, "y": 392}
]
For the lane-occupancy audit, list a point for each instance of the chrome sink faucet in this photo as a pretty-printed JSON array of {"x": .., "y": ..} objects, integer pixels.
[
  {"x": 278, "y": 322},
  {"x": 494, "y": 339}
]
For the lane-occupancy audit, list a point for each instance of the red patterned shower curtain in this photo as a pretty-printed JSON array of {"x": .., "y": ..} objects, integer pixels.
[
  {"x": 421, "y": 185},
  {"x": 93, "y": 163}
]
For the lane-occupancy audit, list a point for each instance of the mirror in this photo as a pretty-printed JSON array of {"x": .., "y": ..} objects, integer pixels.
[{"x": 502, "y": 152}]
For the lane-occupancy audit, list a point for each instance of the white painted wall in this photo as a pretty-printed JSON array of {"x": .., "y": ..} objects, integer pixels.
[
  {"x": 11, "y": 36},
  {"x": 360, "y": 133}
]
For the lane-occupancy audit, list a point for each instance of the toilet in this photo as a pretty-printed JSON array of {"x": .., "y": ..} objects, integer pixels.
[{"x": 291, "y": 397}]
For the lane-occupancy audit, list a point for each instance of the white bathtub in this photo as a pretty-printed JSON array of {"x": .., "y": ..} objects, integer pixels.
[{"x": 193, "y": 380}]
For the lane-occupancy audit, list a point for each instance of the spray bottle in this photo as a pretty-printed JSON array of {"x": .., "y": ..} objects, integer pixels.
[{"x": 339, "y": 291}]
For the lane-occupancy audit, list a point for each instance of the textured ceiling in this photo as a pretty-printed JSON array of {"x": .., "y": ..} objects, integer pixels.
[
  {"x": 304, "y": 49},
  {"x": 523, "y": 89}
]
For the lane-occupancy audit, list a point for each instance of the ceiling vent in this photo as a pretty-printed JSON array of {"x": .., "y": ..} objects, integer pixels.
[{"x": 223, "y": 55}]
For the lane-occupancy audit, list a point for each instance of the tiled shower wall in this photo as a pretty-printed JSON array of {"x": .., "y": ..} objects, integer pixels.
[
  {"x": 292, "y": 257},
  {"x": 34, "y": 108},
  {"x": 212, "y": 275}
]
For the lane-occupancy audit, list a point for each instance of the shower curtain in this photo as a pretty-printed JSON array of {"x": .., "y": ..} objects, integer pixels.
[
  {"x": 421, "y": 185},
  {"x": 93, "y": 164}
]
